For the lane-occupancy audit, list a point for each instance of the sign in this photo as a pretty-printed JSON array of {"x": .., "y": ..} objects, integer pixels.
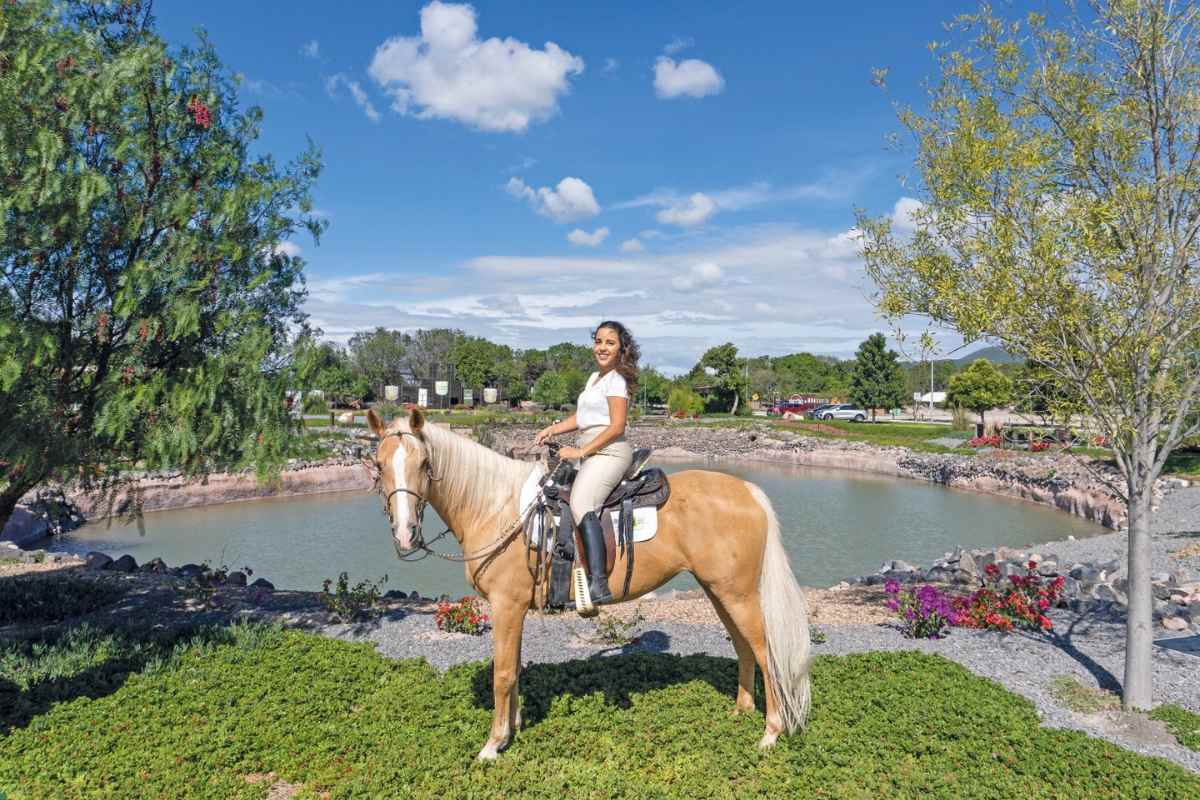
[
  {"x": 422, "y": 396},
  {"x": 489, "y": 394},
  {"x": 441, "y": 388},
  {"x": 391, "y": 393},
  {"x": 468, "y": 397}
]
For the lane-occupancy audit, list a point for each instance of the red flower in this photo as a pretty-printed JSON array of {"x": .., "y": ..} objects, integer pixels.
[
  {"x": 1045, "y": 623},
  {"x": 1032, "y": 565},
  {"x": 992, "y": 569},
  {"x": 1043, "y": 604}
]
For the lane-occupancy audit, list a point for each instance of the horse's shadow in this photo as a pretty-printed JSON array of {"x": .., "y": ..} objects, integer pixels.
[{"x": 618, "y": 678}]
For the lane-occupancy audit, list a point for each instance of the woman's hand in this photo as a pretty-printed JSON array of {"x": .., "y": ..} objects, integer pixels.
[
  {"x": 544, "y": 434},
  {"x": 570, "y": 453}
]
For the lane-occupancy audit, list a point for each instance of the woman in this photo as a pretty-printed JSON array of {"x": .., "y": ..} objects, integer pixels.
[{"x": 599, "y": 417}]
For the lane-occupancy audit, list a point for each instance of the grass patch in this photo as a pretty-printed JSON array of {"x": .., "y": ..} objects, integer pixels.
[
  {"x": 1184, "y": 463},
  {"x": 52, "y": 598},
  {"x": 1082, "y": 699},
  {"x": 1183, "y": 724},
  {"x": 338, "y": 718}
]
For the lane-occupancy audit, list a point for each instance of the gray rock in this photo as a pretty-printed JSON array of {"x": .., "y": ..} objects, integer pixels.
[
  {"x": 156, "y": 565},
  {"x": 263, "y": 583},
  {"x": 123, "y": 564},
  {"x": 902, "y": 566},
  {"x": 97, "y": 560},
  {"x": 395, "y": 594},
  {"x": 966, "y": 563},
  {"x": 236, "y": 578},
  {"x": 1107, "y": 594},
  {"x": 33, "y": 556},
  {"x": 1085, "y": 574},
  {"x": 190, "y": 571}
]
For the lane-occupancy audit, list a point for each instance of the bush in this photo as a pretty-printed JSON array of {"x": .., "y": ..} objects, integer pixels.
[
  {"x": 352, "y": 604},
  {"x": 1021, "y": 603},
  {"x": 925, "y": 613},
  {"x": 53, "y": 598},
  {"x": 315, "y": 404},
  {"x": 465, "y": 616},
  {"x": 683, "y": 400}
]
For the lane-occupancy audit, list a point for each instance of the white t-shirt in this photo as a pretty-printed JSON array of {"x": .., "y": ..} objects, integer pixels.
[{"x": 592, "y": 407}]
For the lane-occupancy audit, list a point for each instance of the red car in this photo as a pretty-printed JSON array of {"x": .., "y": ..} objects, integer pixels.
[{"x": 797, "y": 407}]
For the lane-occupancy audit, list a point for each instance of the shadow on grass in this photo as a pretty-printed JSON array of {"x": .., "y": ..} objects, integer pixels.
[{"x": 618, "y": 678}]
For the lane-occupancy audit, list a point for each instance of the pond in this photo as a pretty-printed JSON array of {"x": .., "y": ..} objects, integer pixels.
[{"x": 835, "y": 524}]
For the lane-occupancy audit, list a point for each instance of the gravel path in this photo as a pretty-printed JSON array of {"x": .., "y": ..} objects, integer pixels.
[{"x": 1090, "y": 648}]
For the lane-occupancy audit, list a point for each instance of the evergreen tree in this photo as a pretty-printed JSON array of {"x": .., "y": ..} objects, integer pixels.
[
  {"x": 145, "y": 299},
  {"x": 876, "y": 379}
]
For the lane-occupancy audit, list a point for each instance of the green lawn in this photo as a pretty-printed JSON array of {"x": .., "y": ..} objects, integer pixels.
[{"x": 117, "y": 716}]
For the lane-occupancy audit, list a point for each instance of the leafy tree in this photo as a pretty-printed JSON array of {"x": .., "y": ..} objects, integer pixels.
[
  {"x": 1060, "y": 215},
  {"x": 427, "y": 351},
  {"x": 566, "y": 355},
  {"x": 683, "y": 399},
  {"x": 378, "y": 356},
  {"x": 551, "y": 389},
  {"x": 728, "y": 374},
  {"x": 531, "y": 364},
  {"x": 144, "y": 300},
  {"x": 980, "y": 388},
  {"x": 877, "y": 380},
  {"x": 653, "y": 386},
  {"x": 1038, "y": 392},
  {"x": 479, "y": 362}
]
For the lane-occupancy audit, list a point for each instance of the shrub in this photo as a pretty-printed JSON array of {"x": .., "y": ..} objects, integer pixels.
[
  {"x": 315, "y": 404},
  {"x": 352, "y": 604},
  {"x": 684, "y": 401},
  {"x": 465, "y": 616},
  {"x": 984, "y": 441},
  {"x": 924, "y": 613},
  {"x": 1020, "y": 604},
  {"x": 611, "y": 629}
]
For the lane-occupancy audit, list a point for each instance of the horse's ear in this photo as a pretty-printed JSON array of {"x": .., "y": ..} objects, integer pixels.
[
  {"x": 415, "y": 419},
  {"x": 374, "y": 423}
]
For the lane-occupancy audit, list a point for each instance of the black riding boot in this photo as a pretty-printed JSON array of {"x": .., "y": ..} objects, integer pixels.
[{"x": 592, "y": 535}]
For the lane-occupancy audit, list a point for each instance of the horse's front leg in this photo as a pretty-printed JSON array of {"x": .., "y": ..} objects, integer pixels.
[{"x": 508, "y": 620}]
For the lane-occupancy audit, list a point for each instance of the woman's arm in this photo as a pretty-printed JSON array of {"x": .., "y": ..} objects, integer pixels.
[
  {"x": 618, "y": 407},
  {"x": 562, "y": 426}
]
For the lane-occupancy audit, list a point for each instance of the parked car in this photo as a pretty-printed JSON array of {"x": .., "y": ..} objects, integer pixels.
[
  {"x": 790, "y": 407},
  {"x": 844, "y": 411},
  {"x": 815, "y": 411}
]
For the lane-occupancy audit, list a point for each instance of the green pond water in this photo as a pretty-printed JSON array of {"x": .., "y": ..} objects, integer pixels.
[{"x": 835, "y": 524}]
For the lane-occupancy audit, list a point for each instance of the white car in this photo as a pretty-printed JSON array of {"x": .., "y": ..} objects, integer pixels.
[{"x": 844, "y": 411}]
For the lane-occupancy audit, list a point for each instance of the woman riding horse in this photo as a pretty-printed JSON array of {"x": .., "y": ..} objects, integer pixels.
[{"x": 599, "y": 417}]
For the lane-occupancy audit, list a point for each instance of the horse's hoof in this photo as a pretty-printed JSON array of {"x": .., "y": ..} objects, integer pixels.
[
  {"x": 488, "y": 753},
  {"x": 767, "y": 741}
]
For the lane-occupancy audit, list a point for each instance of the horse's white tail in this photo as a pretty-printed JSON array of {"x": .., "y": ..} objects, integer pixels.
[{"x": 785, "y": 615}]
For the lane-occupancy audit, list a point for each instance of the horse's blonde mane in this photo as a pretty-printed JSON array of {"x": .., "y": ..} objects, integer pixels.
[{"x": 470, "y": 477}]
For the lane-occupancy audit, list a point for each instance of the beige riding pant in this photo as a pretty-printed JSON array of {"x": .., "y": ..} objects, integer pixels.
[{"x": 599, "y": 473}]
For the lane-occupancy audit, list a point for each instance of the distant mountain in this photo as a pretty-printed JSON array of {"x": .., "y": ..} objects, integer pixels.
[{"x": 996, "y": 355}]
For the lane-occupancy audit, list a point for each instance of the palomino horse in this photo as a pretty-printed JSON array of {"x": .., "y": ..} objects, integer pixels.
[{"x": 717, "y": 527}]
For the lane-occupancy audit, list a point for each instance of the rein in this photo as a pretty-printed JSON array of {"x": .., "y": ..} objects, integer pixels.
[{"x": 419, "y": 543}]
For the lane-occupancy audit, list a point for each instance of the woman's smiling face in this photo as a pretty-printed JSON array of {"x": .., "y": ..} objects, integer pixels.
[{"x": 606, "y": 348}]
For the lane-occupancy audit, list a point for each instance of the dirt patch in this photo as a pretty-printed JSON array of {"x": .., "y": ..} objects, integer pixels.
[
  {"x": 1135, "y": 726},
  {"x": 1188, "y": 551}
]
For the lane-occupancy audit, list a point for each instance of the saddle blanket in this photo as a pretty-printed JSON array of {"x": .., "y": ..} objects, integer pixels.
[{"x": 645, "y": 520}]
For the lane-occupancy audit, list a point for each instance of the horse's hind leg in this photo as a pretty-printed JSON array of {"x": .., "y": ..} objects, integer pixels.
[
  {"x": 745, "y": 611},
  {"x": 509, "y": 621},
  {"x": 745, "y": 654}
]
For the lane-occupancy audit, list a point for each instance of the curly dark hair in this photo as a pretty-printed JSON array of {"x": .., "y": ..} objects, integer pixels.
[{"x": 627, "y": 358}]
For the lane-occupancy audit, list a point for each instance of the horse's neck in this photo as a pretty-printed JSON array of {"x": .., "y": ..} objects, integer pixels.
[{"x": 474, "y": 487}]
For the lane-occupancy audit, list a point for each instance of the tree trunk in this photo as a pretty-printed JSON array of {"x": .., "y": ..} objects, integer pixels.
[
  {"x": 9, "y": 498},
  {"x": 736, "y": 396},
  {"x": 1139, "y": 633}
]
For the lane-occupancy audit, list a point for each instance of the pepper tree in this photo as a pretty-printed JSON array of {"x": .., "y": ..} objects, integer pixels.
[{"x": 145, "y": 302}]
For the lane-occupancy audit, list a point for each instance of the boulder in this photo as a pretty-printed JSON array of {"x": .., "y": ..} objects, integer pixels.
[
  {"x": 190, "y": 571},
  {"x": 902, "y": 566},
  {"x": 1175, "y": 623},
  {"x": 966, "y": 563},
  {"x": 97, "y": 560},
  {"x": 1108, "y": 594},
  {"x": 123, "y": 564},
  {"x": 395, "y": 594},
  {"x": 263, "y": 583},
  {"x": 156, "y": 565},
  {"x": 236, "y": 578}
]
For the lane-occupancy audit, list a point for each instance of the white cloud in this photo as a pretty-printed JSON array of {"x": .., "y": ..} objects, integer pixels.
[
  {"x": 356, "y": 91},
  {"x": 610, "y": 65},
  {"x": 571, "y": 200},
  {"x": 689, "y": 78},
  {"x": 311, "y": 48},
  {"x": 585, "y": 239},
  {"x": 632, "y": 246},
  {"x": 700, "y": 276},
  {"x": 690, "y": 212},
  {"x": 764, "y": 308},
  {"x": 904, "y": 214},
  {"x": 449, "y": 73},
  {"x": 289, "y": 249},
  {"x": 677, "y": 44}
]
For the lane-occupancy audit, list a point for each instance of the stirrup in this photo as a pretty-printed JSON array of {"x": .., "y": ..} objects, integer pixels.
[{"x": 583, "y": 595}]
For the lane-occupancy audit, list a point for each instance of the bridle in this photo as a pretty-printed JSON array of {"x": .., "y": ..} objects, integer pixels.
[{"x": 418, "y": 542}]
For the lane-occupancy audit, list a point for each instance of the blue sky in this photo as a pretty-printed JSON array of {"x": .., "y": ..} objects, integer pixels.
[{"x": 522, "y": 171}]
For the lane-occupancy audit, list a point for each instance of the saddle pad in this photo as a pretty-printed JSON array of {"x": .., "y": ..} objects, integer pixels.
[{"x": 645, "y": 520}]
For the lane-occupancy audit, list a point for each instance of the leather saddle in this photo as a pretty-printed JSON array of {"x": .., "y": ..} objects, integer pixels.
[{"x": 640, "y": 487}]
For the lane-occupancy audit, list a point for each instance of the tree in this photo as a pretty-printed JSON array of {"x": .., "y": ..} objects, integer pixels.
[
  {"x": 727, "y": 373},
  {"x": 683, "y": 400},
  {"x": 980, "y": 388},
  {"x": 378, "y": 356},
  {"x": 427, "y": 351},
  {"x": 653, "y": 386},
  {"x": 566, "y": 355},
  {"x": 1037, "y": 392},
  {"x": 876, "y": 380},
  {"x": 551, "y": 389},
  {"x": 144, "y": 296},
  {"x": 1061, "y": 206},
  {"x": 479, "y": 362}
]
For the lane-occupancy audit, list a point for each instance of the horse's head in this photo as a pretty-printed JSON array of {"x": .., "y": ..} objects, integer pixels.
[{"x": 403, "y": 474}]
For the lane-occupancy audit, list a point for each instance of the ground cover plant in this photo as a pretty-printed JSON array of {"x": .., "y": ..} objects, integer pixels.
[
  {"x": 337, "y": 718},
  {"x": 1183, "y": 724}
]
